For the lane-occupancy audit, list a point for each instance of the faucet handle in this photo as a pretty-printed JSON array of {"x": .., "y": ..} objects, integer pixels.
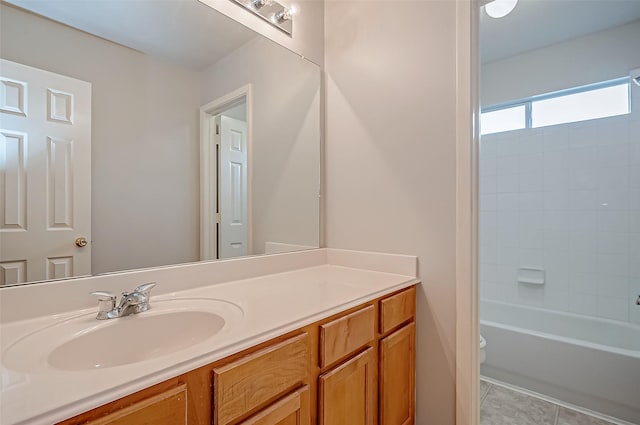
[
  {"x": 145, "y": 288},
  {"x": 106, "y": 300}
]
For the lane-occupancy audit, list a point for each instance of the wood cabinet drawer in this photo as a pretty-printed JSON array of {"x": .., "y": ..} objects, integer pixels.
[
  {"x": 247, "y": 383},
  {"x": 293, "y": 409},
  {"x": 168, "y": 407},
  {"x": 346, "y": 335},
  {"x": 397, "y": 309}
]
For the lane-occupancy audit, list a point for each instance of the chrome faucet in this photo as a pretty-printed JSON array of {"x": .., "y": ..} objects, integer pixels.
[{"x": 133, "y": 302}]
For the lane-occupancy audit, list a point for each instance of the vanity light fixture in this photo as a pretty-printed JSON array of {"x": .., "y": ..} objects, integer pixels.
[
  {"x": 500, "y": 8},
  {"x": 259, "y": 4},
  {"x": 284, "y": 15},
  {"x": 271, "y": 11}
]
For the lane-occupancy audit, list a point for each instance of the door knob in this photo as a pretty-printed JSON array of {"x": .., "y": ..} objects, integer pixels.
[{"x": 81, "y": 242}]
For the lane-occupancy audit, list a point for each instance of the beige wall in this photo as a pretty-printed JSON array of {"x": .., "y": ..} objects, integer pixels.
[
  {"x": 285, "y": 154},
  {"x": 145, "y": 141},
  {"x": 390, "y": 161},
  {"x": 597, "y": 57}
]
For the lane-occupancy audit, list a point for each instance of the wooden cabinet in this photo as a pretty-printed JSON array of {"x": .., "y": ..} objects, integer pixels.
[
  {"x": 347, "y": 393},
  {"x": 345, "y": 335},
  {"x": 397, "y": 309},
  {"x": 353, "y": 368},
  {"x": 258, "y": 378},
  {"x": 293, "y": 409},
  {"x": 168, "y": 407},
  {"x": 396, "y": 357},
  {"x": 397, "y": 377},
  {"x": 185, "y": 399}
]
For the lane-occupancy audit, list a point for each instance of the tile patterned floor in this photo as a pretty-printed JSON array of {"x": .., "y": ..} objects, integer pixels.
[{"x": 502, "y": 406}]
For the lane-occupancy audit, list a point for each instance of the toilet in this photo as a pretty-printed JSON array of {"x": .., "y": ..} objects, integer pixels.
[{"x": 483, "y": 346}]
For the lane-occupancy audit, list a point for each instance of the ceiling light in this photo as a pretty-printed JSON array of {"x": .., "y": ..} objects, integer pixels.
[{"x": 500, "y": 8}]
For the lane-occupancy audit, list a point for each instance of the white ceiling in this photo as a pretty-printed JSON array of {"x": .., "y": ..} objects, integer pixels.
[
  {"x": 185, "y": 32},
  {"x": 193, "y": 35},
  {"x": 538, "y": 23}
]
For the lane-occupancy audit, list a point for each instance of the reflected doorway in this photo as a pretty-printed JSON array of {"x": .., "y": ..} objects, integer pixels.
[{"x": 225, "y": 177}]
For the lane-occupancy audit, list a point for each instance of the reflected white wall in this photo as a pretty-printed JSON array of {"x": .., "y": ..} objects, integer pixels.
[
  {"x": 140, "y": 105},
  {"x": 285, "y": 145}
]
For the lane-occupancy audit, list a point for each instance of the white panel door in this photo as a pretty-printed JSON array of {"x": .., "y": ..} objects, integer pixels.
[
  {"x": 45, "y": 174},
  {"x": 232, "y": 231}
]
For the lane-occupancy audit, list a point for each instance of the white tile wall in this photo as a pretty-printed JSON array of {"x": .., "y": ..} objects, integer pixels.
[{"x": 567, "y": 199}]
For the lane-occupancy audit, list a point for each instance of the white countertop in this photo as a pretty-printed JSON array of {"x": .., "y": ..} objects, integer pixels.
[{"x": 272, "y": 305}]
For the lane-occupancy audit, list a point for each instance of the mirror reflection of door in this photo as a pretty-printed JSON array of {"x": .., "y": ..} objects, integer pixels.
[
  {"x": 225, "y": 177},
  {"x": 45, "y": 175},
  {"x": 232, "y": 183}
]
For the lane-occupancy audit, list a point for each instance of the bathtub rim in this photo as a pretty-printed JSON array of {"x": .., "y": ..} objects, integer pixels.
[{"x": 560, "y": 338}]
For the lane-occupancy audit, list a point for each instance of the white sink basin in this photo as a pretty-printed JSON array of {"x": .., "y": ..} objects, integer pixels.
[{"x": 83, "y": 342}]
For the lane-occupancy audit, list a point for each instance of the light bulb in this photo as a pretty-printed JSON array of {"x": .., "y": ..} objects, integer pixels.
[
  {"x": 259, "y": 4},
  {"x": 500, "y": 8},
  {"x": 285, "y": 14}
]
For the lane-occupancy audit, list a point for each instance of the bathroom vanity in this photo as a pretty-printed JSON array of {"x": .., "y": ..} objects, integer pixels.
[
  {"x": 338, "y": 370},
  {"x": 331, "y": 340}
]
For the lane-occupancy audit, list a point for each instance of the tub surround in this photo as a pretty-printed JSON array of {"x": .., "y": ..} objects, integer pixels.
[{"x": 277, "y": 294}]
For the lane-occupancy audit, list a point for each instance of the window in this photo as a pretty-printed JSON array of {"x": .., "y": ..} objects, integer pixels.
[
  {"x": 586, "y": 105},
  {"x": 594, "y": 101},
  {"x": 504, "y": 119}
]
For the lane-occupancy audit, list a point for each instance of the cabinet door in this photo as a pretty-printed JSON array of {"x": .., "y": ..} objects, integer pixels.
[
  {"x": 347, "y": 393},
  {"x": 290, "y": 410},
  {"x": 168, "y": 407},
  {"x": 397, "y": 377}
]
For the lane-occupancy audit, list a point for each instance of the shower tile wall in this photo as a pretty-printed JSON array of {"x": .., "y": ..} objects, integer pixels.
[{"x": 566, "y": 199}]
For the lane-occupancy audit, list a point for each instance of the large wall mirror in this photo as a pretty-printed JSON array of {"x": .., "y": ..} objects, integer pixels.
[{"x": 137, "y": 134}]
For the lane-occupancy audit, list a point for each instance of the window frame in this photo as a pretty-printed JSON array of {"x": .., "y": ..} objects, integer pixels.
[{"x": 528, "y": 102}]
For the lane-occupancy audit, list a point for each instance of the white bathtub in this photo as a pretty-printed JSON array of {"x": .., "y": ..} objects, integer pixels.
[{"x": 589, "y": 362}]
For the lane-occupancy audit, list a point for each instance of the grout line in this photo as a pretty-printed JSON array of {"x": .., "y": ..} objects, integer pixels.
[
  {"x": 585, "y": 411},
  {"x": 557, "y": 415},
  {"x": 486, "y": 394}
]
